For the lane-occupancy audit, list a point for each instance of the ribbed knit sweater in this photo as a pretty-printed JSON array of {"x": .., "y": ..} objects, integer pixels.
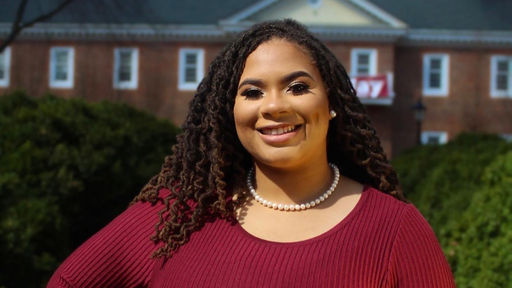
[{"x": 382, "y": 242}]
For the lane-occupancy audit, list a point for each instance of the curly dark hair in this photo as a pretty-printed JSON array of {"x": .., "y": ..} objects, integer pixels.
[{"x": 209, "y": 160}]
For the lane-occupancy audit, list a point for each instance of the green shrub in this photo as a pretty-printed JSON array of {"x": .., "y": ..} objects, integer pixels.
[
  {"x": 464, "y": 190},
  {"x": 67, "y": 168},
  {"x": 481, "y": 244}
]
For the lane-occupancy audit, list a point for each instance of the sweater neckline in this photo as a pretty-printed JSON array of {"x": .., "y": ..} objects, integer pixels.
[{"x": 360, "y": 203}]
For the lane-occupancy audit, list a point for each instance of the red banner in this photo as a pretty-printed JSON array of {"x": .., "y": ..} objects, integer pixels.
[{"x": 373, "y": 87}]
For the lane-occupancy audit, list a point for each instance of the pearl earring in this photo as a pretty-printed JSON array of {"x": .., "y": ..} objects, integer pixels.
[{"x": 333, "y": 113}]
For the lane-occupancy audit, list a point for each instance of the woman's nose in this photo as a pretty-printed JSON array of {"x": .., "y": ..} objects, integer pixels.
[{"x": 275, "y": 104}]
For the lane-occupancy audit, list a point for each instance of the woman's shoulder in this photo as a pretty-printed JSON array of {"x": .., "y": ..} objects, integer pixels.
[{"x": 387, "y": 210}]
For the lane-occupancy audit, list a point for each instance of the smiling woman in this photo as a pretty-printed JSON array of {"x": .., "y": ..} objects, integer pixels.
[{"x": 278, "y": 180}]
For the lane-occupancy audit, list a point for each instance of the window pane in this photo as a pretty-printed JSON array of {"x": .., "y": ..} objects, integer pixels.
[
  {"x": 433, "y": 140},
  {"x": 190, "y": 74},
  {"x": 125, "y": 58},
  {"x": 2, "y": 73},
  {"x": 125, "y": 76},
  {"x": 61, "y": 72},
  {"x": 2, "y": 61},
  {"x": 435, "y": 80},
  {"x": 363, "y": 59},
  {"x": 435, "y": 64},
  {"x": 61, "y": 57},
  {"x": 191, "y": 59},
  {"x": 363, "y": 71},
  {"x": 502, "y": 82},
  {"x": 503, "y": 66}
]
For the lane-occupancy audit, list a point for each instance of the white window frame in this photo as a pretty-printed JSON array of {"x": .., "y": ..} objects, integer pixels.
[
  {"x": 443, "y": 137},
  {"x": 54, "y": 83},
  {"x": 7, "y": 62},
  {"x": 187, "y": 86},
  {"x": 495, "y": 93},
  {"x": 445, "y": 75},
  {"x": 372, "y": 60},
  {"x": 506, "y": 137},
  {"x": 134, "y": 69}
]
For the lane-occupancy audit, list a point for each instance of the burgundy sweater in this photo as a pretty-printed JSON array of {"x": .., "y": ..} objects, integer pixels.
[{"x": 383, "y": 242}]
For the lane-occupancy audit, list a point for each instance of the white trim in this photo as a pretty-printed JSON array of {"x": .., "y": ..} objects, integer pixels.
[
  {"x": 134, "y": 68},
  {"x": 315, "y": 5},
  {"x": 379, "y": 13},
  {"x": 372, "y": 69},
  {"x": 443, "y": 136},
  {"x": 7, "y": 67},
  {"x": 506, "y": 137},
  {"x": 495, "y": 93},
  {"x": 444, "y": 77},
  {"x": 251, "y": 10},
  {"x": 189, "y": 86},
  {"x": 462, "y": 37},
  {"x": 69, "y": 82}
]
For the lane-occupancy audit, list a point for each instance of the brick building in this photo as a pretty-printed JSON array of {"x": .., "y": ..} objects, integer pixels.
[{"x": 455, "y": 55}]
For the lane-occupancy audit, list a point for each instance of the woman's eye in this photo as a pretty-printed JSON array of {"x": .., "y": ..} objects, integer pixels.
[
  {"x": 299, "y": 88},
  {"x": 251, "y": 93}
]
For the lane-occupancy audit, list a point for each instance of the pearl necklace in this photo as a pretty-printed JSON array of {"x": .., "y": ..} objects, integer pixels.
[{"x": 292, "y": 207}]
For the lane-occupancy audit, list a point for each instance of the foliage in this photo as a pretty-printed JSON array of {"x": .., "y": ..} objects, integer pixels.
[
  {"x": 482, "y": 240},
  {"x": 452, "y": 186},
  {"x": 67, "y": 168}
]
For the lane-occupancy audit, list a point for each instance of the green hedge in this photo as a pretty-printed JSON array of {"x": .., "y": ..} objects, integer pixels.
[
  {"x": 67, "y": 168},
  {"x": 446, "y": 183}
]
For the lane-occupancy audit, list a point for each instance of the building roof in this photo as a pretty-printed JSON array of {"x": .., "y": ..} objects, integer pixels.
[{"x": 490, "y": 15}]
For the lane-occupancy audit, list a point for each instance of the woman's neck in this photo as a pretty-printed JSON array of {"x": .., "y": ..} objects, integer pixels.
[{"x": 293, "y": 185}]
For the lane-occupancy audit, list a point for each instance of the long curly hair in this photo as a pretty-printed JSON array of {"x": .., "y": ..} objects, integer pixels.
[{"x": 209, "y": 160}]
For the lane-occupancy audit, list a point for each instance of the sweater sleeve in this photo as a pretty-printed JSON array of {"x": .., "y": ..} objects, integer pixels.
[
  {"x": 417, "y": 259},
  {"x": 116, "y": 256}
]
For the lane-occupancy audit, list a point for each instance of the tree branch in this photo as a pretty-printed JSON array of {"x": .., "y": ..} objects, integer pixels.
[{"x": 17, "y": 26}]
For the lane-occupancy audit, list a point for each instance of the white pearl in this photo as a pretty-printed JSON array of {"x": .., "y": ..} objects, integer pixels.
[
  {"x": 297, "y": 207},
  {"x": 274, "y": 206},
  {"x": 329, "y": 192},
  {"x": 292, "y": 207},
  {"x": 317, "y": 201},
  {"x": 261, "y": 200},
  {"x": 265, "y": 202},
  {"x": 321, "y": 198},
  {"x": 302, "y": 206},
  {"x": 308, "y": 205},
  {"x": 325, "y": 195},
  {"x": 257, "y": 198},
  {"x": 312, "y": 203},
  {"x": 253, "y": 191},
  {"x": 280, "y": 206},
  {"x": 286, "y": 207}
]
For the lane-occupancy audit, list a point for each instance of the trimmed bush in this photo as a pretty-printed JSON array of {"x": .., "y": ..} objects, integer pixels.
[
  {"x": 481, "y": 245},
  {"x": 67, "y": 168}
]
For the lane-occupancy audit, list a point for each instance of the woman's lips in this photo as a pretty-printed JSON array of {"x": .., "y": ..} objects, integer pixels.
[{"x": 281, "y": 138}]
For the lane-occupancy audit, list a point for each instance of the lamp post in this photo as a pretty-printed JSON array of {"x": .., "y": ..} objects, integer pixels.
[{"x": 419, "y": 114}]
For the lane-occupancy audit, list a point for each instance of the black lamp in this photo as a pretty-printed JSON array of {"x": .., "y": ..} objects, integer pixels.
[{"x": 419, "y": 114}]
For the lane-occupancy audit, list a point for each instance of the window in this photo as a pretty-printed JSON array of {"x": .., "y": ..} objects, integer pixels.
[
  {"x": 506, "y": 137},
  {"x": 61, "y": 67},
  {"x": 126, "y": 68},
  {"x": 190, "y": 68},
  {"x": 434, "y": 138},
  {"x": 435, "y": 74},
  {"x": 501, "y": 76},
  {"x": 363, "y": 62},
  {"x": 5, "y": 66}
]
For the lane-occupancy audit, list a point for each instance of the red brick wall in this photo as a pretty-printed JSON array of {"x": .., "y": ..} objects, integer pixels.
[{"x": 468, "y": 106}]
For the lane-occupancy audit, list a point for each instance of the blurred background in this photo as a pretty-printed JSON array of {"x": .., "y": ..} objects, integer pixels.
[{"x": 92, "y": 93}]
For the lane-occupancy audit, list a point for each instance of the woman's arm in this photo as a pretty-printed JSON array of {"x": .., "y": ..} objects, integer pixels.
[
  {"x": 116, "y": 256},
  {"x": 417, "y": 259}
]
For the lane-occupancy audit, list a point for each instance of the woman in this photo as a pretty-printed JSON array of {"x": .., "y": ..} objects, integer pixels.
[{"x": 278, "y": 180}]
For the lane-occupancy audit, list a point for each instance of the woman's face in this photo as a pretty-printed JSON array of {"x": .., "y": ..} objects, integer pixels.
[{"x": 281, "y": 109}]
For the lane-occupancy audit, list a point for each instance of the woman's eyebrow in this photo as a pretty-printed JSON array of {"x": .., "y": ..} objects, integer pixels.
[{"x": 285, "y": 79}]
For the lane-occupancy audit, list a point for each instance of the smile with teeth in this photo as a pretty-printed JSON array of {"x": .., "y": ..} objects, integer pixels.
[{"x": 280, "y": 130}]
